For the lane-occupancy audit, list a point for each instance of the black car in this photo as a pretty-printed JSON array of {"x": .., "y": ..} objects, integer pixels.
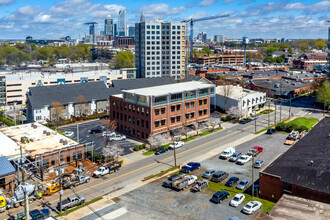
[
  {"x": 219, "y": 176},
  {"x": 244, "y": 121},
  {"x": 232, "y": 180},
  {"x": 98, "y": 129},
  {"x": 219, "y": 196},
  {"x": 161, "y": 150},
  {"x": 271, "y": 131}
]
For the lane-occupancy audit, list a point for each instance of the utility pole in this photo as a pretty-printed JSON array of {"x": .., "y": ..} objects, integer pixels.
[
  {"x": 26, "y": 205},
  {"x": 78, "y": 133},
  {"x": 275, "y": 110},
  {"x": 255, "y": 120},
  {"x": 325, "y": 101},
  {"x": 252, "y": 176},
  {"x": 60, "y": 179},
  {"x": 281, "y": 99},
  {"x": 290, "y": 107},
  {"x": 268, "y": 113}
]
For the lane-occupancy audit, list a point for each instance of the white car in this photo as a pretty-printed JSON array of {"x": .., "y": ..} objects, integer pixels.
[
  {"x": 107, "y": 133},
  {"x": 227, "y": 153},
  {"x": 68, "y": 133},
  {"x": 243, "y": 159},
  {"x": 191, "y": 179},
  {"x": 237, "y": 200},
  {"x": 251, "y": 207},
  {"x": 176, "y": 145},
  {"x": 117, "y": 137}
]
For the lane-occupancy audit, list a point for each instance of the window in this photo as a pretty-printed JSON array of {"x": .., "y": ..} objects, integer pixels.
[
  {"x": 121, "y": 116},
  {"x": 162, "y": 110},
  {"x": 133, "y": 120},
  {"x": 137, "y": 121},
  {"x": 125, "y": 118},
  {"x": 200, "y": 102},
  {"x": 162, "y": 122},
  {"x": 190, "y": 94},
  {"x": 176, "y": 97},
  {"x": 156, "y": 111},
  {"x": 178, "y": 118},
  {"x": 129, "y": 119},
  {"x": 205, "y": 111},
  {"x": 156, "y": 124},
  {"x": 142, "y": 123},
  {"x": 178, "y": 107},
  {"x": 192, "y": 115},
  {"x": 200, "y": 112},
  {"x": 192, "y": 104},
  {"x": 187, "y": 116},
  {"x": 205, "y": 101},
  {"x": 172, "y": 120},
  {"x": 147, "y": 124},
  {"x": 187, "y": 104}
]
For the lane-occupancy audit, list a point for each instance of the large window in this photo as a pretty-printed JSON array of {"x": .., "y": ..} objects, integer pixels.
[
  {"x": 160, "y": 100},
  {"x": 190, "y": 94},
  {"x": 176, "y": 97},
  {"x": 203, "y": 92}
]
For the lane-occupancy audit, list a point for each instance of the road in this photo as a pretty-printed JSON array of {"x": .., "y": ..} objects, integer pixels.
[{"x": 136, "y": 171}]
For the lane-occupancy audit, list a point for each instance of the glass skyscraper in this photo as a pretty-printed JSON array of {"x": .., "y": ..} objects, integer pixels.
[
  {"x": 109, "y": 27},
  {"x": 122, "y": 23}
]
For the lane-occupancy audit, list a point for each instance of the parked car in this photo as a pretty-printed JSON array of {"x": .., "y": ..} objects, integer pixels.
[
  {"x": 232, "y": 181},
  {"x": 227, "y": 153},
  {"x": 101, "y": 171},
  {"x": 208, "y": 174},
  {"x": 190, "y": 167},
  {"x": 117, "y": 137},
  {"x": 219, "y": 196},
  {"x": 161, "y": 151},
  {"x": 39, "y": 214},
  {"x": 245, "y": 120},
  {"x": 258, "y": 163},
  {"x": 107, "y": 133},
  {"x": 235, "y": 156},
  {"x": 251, "y": 207},
  {"x": 176, "y": 145},
  {"x": 219, "y": 176},
  {"x": 98, "y": 129},
  {"x": 71, "y": 201},
  {"x": 253, "y": 117},
  {"x": 289, "y": 141},
  {"x": 170, "y": 179},
  {"x": 199, "y": 185},
  {"x": 68, "y": 133},
  {"x": 243, "y": 159},
  {"x": 183, "y": 183},
  {"x": 237, "y": 200},
  {"x": 243, "y": 184},
  {"x": 255, "y": 151},
  {"x": 271, "y": 131},
  {"x": 79, "y": 179}
]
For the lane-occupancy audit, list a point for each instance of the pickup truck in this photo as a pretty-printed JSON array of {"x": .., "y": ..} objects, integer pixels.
[
  {"x": 101, "y": 171},
  {"x": 190, "y": 167},
  {"x": 176, "y": 145},
  {"x": 184, "y": 183},
  {"x": 71, "y": 201},
  {"x": 117, "y": 137},
  {"x": 255, "y": 151},
  {"x": 79, "y": 179},
  {"x": 227, "y": 153},
  {"x": 170, "y": 179}
]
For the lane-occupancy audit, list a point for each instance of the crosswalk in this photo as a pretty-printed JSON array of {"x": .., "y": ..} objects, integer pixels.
[{"x": 112, "y": 211}]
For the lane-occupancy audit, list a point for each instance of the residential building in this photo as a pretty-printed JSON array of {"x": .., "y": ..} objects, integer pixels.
[
  {"x": 328, "y": 57},
  {"x": 39, "y": 100},
  {"x": 154, "y": 110},
  {"x": 236, "y": 59},
  {"x": 303, "y": 170},
  {"x": 220, "y": 38},
  {"x": 308, "y": 61},
  {"x": 287, "y": 56},
  {"x": 160, "y": 49},
  {"x": 109, "y": 28},
  {"x": 7, "y": 173},
  {"x": 122, "y": 23},
  {"x": 127, "y": 42},
  {"x": 246, "y": 100}
]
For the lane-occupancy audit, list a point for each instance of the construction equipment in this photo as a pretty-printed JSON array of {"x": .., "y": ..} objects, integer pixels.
[
  {"x": 191, "y": 38},
  {"x": 52, "y": 189},
  {"x": 92, "y": 32}
]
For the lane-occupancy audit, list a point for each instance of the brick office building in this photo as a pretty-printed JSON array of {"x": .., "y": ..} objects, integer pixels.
[
  {"x": 154, "y": 110},
  {"x": 303, "y": 170}
]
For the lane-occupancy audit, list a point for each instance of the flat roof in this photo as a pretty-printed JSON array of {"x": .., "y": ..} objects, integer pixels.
[
  {"x": 287, "y": 85},
  {"x": 41, "y": 142},
  {"x": 295, "y": 167},
  {"x": 171, "y": 88},
  {"x": 237, "y": 92}
]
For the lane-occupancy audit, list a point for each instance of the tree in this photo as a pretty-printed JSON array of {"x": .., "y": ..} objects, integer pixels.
[
  {"x": 270, "y": 59},
  {"x": 226, "y": 91},
  {"x": 269, "y": 51},
  {"x": 80, "y": 105},
  {"x": 214, "y": 121},
  {"x": 236, "y": 112},
  {"x": 184, "y": 131},
  {"x": 279, "y": 59},
  {"x": 123, "y": 59},
  {"x": 196, "y": 126},
  {"x": 112, "y": 150},
  {"x": 111, "y": 125},
  {"x": 323, "y": 93},
  {"x": 155, "y": 141},
  {"x": 56, "y": 111}
]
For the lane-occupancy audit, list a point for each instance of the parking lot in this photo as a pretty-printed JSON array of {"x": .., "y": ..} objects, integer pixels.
[
  {"x": 85, "y": 136},
  {"x": 152, "y": 201}
]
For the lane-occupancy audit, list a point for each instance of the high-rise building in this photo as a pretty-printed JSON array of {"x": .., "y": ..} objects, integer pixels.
[
  {"x": 109, "y": 27},
  {"x": 328, "y": 58},
  {"x": 131, "y": 31},
  {"x": 160, "y": 49},
  {"x": 122, "y": 23},
  {"x": 202, "y": 36},
  {"x": 220, "y": 38}
]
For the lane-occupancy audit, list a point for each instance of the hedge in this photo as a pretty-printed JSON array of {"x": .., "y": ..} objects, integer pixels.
[
  {"x": 7, "y": 121},
  {"x": 139, "y": 147}
]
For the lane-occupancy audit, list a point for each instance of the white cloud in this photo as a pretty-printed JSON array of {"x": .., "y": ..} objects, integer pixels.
[
  {"x": 207, "y": 2},
  {"x": 160, "y": 10},
  {"x": 294, "y": 6},
  {"x": 228, "y": 1},
  {"x": 4, "y": 2},
  {"x": 6, "y": 26},
  {"x": 43, "y": 18},
  {"x": 29, "y": 10}
]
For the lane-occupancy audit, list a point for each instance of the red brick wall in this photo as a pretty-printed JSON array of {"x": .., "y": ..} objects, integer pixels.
[
  {"x": 310, "y": 194},
  {"x": 271, "y": 187}
]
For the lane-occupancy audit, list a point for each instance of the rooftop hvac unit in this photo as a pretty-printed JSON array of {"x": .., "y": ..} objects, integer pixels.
[
  {"x": 47, "y": 133},
  {"x": 61, "y": 140},
  {"x": 276, "y": 85},
  {"x": 44, "y": 131},
  {"x": 65, "y": 142}
]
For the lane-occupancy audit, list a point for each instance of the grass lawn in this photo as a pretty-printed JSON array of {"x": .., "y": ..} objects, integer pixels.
[
  {"x": 150, "y": 152},
  {"x": 266, "y": 205},
  {"x": 205, "y": 133},
  {"x": 218, "y": 129},
  {"x": 265, "y": 129},
  {"x": 78, "y": 207},
  {"x": 160, "y": 173},
  {"x": 189, "y": 139},
  {"x": 304, "y": 121},
  {"x": 265, "y": 112}
]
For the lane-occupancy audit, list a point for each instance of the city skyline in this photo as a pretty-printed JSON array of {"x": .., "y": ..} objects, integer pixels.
[{"x": 304, "y": 19}]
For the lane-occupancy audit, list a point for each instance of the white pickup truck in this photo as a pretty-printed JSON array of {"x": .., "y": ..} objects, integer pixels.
[
  {"x": 184, "y": 183},
  {"x": 176, "y": 145},
  {"x": 101, "y": 171},
  {"x": 227, "y": 153}
]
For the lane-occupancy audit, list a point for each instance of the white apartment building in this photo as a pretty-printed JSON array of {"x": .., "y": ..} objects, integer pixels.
[
  {"x": 160, "y": 49},
  {"x": 17, "y": 83},
  {"x": 235, "y": 96}
]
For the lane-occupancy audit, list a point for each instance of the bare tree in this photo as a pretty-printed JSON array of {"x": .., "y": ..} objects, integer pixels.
[
  {"x": 156, "y": 141},
  {"x": 196, "y": 126},
  {"x": 184, "y": 131},
  {"x": 111, "y": 125},
  {"x": 56, "y": 111},
  {"x": 112, "y": 150},
  {"x": 236, "y": 112},
  {"x": 80, "y": 103},
  {"x": 226, "y": 91},
  {"x": 214, "y": 121}
]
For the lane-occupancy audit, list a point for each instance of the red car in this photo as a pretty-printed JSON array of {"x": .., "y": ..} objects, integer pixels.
[{"x": 255, "y": 151}]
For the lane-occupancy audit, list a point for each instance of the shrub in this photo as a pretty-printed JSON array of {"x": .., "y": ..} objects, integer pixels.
[
  {"x": 139, "y": 147},
  {"x": 291, "y": 127},
  {"x": 281, "y": 126},
  {"x": 227, "y": 118},
  {"x": 302, "y": 128}
]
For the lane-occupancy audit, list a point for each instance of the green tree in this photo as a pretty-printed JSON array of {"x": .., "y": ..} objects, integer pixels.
[
  {"x": 43, "y": 53},
  {"x": 323, "y": 93},
  {"x": 269, "y": 51},
  {"x": 123, "y": 59},
  {"x": 270, "y": 59},
  {"x": 279, "y": 59}
]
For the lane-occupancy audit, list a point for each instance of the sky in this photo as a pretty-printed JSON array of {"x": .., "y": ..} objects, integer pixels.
[{"x": 291, "y": 19}]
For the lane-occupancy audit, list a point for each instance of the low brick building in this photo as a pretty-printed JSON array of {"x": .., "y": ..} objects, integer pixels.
[
  {"x": 153, "y": 110},
  {"x": 302, "y": 171}
]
